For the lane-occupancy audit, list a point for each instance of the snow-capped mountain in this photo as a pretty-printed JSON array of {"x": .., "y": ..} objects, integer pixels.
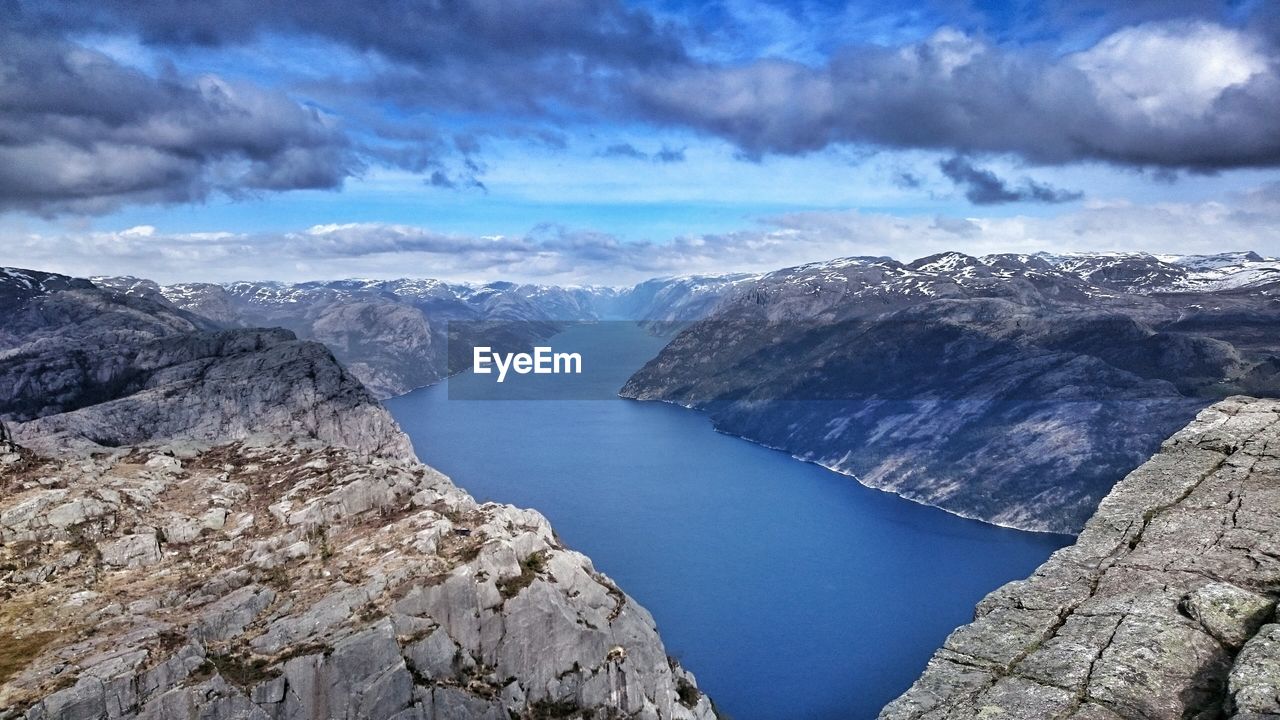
[{"x": 1146, "y": 273}]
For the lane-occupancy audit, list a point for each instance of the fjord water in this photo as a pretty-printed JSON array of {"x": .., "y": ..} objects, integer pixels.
[{"x": 789, "y": 590}]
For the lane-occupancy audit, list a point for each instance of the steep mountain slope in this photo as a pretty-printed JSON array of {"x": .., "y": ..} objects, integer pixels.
[
  {"x": 153, "y": 565},
  {"x": 1008, "y": 388},
  {"x": 1164, "y": 609}
]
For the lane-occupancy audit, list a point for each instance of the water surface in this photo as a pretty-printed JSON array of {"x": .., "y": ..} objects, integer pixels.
[{"x": 791, "y": 592}]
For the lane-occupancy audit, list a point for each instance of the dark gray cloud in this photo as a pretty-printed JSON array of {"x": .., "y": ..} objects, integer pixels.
[
  {"x": 907, "y": 180},
  {"x": 440, "y": 179},
  {"x": 1162, "y": 85},
  {"x": 424, "y": 33},
  {"x": 664, "y": 155},
  {"x": 983, "y": 187},
  {"x": 80, "y": 132},
  {"x": 460, "y": 54},
  {"x": 101, "y": 134},
  {"x": 623, "y": 150},
  {"x": 1179, "y": 94},
  {"x": 669, "y": 155}
]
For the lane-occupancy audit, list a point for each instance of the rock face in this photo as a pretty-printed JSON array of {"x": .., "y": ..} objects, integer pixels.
[
  {"x": 303, "y": 581},
  {"x": 86, "y": 367},
  {"x": 1165, "y": 608},
  {"x": 1005, "y": 388}
]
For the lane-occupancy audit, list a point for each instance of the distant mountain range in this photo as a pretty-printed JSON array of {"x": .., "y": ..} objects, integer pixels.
[{"x": 393, "y": 335}]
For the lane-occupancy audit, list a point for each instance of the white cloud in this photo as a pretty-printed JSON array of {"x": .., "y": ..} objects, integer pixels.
[
  {"x": 553, "y": 254},
  {"x": 1170, "y": 72}
]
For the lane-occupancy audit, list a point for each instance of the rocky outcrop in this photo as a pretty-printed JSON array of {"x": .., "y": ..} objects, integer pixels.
[
  {"x": 304, "y": 581},
  {"x": 89, "y": 368},
  {"x": 229, "y": 385},
  {"x": 1002, "y": 388},
  {"x": 1165, "y": 608}
]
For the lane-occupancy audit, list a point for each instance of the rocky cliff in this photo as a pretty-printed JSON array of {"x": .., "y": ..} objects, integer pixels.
[
  {"x": 303, "y": 581},
  {"x": 225, "y": 524},
  {"x": 1165, "y": 608},
  {"x": 86, "y": 367}
]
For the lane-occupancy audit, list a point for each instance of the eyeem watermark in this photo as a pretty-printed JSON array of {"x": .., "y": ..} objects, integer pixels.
[{"x": 542, "y": 361}]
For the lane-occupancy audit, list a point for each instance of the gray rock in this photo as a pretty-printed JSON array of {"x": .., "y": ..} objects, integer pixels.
[
  {"x": 230, "y": 385},
  {"x": 1255, "y": 679},
  {"x": 371, "y": 622},
  {"x": 1145, "y": 616},
  {"x": 131, "y": 551},
  {"x": 311, "y": 566},
  {"x": 1230, "y": 614},
  {"x": 434, "y": 655},
  {"x": 228, "y": 616},
  {"x": 86, "y": 367}
]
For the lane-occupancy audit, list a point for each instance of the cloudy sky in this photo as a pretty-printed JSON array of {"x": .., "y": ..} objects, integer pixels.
[{"x": 607, "y": 141}]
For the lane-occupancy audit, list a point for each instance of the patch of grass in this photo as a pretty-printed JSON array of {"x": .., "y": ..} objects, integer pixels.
[
  {"x": 241, "y": 671},
  {"x": 18, "y": 652},
  {"x": 530, "y": 567},
  {"x": 278, "y": 578},
  {"x": 319, "y": 536}
]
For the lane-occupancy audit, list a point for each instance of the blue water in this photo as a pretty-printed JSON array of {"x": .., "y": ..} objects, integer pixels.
[{"x": 789, "y": 590}]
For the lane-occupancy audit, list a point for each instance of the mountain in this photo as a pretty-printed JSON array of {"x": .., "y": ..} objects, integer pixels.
[
  {"x": 1011, "y": 388},
  {"x": 1142, "y": 272},
  {"x": 207, "y": 522},
  {"x": 670, "y": 300},
  {"x": 394, "y": 335},
  {"x": 1165, "y": 607}
]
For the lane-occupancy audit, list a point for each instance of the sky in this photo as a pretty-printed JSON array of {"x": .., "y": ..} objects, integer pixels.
[{"x": 606, "y": 142}]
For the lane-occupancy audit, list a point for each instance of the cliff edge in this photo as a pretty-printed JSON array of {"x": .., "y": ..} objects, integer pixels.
[{"x": 1164, "y": 608}]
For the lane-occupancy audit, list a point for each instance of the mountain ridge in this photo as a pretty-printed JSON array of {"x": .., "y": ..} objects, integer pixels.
[{"x": 1004, "y": 388}]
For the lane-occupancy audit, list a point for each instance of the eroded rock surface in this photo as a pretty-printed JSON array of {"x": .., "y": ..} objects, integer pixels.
[
  {"x": 303, "y": 581},
  {"x": 1164, "y": 608}
]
